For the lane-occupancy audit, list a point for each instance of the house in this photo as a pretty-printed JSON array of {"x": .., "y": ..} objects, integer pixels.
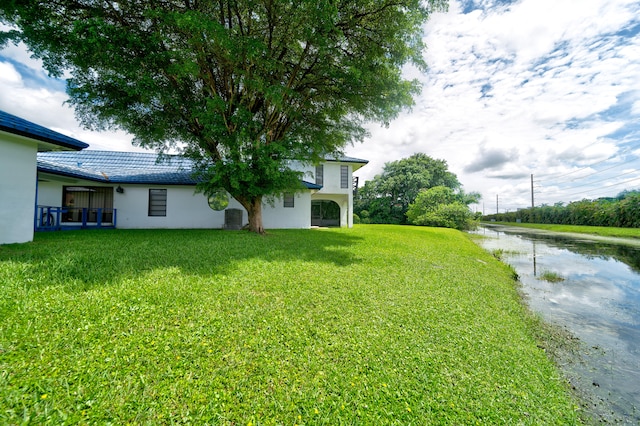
[
  {"x": 20, "y": 141},
  {"x": 48, "y": 181},
  {"x": 131, "y": 190}
]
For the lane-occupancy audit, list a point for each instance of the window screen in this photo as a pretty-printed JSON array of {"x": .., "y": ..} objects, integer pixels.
[
  {"x": 288, "y": 200},
  {"x": 319, "y": 174},
  {"x": 344, "y": 176},
  {"x": 157, "y": 202}
]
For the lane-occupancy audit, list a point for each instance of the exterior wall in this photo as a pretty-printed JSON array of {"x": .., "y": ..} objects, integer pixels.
[
  {"x": 17, "y": 188},
  {"x": 278, "y": 216},
  {"x": 331, "y": 190},
  {"x": 50, "y": 193},
  {"x": 185, "y": 208}
]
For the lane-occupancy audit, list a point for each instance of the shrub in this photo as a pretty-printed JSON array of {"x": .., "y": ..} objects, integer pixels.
[{"x": 439, "y": 207}]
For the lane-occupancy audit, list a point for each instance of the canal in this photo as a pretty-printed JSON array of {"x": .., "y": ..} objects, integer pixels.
[{"x": 590, "y": 288}]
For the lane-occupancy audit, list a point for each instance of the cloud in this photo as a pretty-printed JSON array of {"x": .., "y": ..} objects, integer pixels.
[
  {"x": 44, "y": 104},
  {"x": 9, "y": 76},
  {"x": 38, "y": 104},
  {"x": 546, "y": 85},
  {"x": 512, "y": 176},
  {"x": 490, "y": 159}
]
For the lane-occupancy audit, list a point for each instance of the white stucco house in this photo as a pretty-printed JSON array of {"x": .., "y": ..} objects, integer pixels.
[
  {"x": 86, "y": 188},
  {"x": 137, "y": 190},
  {"x": 20, "y": 141}
]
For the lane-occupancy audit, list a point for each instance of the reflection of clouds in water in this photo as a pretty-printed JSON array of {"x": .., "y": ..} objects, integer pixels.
[
  {"x": 596, "y": 286},
  {"x": 598, "y": 301},
  {"x": 591, "y": 287},
  {"x": 586, "y": 277}
]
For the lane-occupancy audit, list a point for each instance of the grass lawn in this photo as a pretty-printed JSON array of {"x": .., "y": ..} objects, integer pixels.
[
  {"x": 372, "y": 325},
  {"x": 605, "y": 231}
]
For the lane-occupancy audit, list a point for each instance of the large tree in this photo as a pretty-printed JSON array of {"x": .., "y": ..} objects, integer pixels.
[
  {"x": 386, "y": 198},
  {"x": 242, "y": 86}
]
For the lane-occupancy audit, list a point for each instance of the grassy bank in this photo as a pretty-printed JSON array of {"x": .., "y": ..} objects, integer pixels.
[
  {"x": 604, "y": 231},
  {"x": 374, "y": 325}
]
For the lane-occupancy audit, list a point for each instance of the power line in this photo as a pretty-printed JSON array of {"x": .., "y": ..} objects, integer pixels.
[
  {"x": 596, "y": 190},
  {"x": 605, "y": 179},
  {"x": 598, "y": 181},
  {"x": 585, "y": 168},
  {"x": 625, "y": 151},
  {"x": 582, "y": 178},
  {"x": 608, "y": 168}
]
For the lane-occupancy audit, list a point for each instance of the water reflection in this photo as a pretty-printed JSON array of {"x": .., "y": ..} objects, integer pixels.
[{"x": 598, "y": 300}]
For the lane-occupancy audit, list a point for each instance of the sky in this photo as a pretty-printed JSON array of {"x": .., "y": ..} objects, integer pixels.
[{"x": 549, "y": 88}]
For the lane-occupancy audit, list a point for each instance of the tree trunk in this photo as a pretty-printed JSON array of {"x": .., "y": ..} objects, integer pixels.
[{"x": 254, "y": 210}]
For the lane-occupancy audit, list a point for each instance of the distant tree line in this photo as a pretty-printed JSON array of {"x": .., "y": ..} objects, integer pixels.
[
  {"x": 417, "y": 190},
  {"x": 620, "y": 211}
]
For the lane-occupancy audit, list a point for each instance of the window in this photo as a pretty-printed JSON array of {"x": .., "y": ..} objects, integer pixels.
[
  {"x": 157, "y": 202},
  {"x": 344, "y": 176},
  {"x": 87, "y": 201},
  {"x": 319, "y": 174},
  {"x": 288, "y": 200}
]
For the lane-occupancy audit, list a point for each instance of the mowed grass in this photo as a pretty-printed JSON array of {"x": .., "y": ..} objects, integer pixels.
[
  {"x": 373, "y": 325},
  {"x": 605, "y": 231}
]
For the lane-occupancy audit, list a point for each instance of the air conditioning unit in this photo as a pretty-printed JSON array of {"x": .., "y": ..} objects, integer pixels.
[{"x": 233, "y": 219}]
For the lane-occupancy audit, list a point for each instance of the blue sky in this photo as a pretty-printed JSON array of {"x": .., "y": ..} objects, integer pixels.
[{"x": 514, "y": 88}]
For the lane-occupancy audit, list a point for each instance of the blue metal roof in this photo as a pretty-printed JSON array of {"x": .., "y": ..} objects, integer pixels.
[
  {"x": 344, "y": 159},
  {"x": 19, "y": 126},
  {"x": 310, "y": 185},
  {"x": 119, "y": 167},
  {"x": 124, "y": 167}
]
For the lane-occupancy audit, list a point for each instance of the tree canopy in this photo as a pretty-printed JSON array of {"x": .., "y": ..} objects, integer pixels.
[
  {"x": 386, "y": 198},
  {"x": 242, "y": 86}
]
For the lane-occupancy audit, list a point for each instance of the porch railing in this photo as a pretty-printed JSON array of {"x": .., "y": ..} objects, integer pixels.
[{"x": 51, "y": 218}]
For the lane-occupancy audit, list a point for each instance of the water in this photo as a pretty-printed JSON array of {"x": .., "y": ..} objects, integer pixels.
[{"x": 597, "y": 301}]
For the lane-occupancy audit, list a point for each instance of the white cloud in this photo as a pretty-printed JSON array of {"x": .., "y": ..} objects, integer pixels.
[
  {"x": 550, "y": 71},
  {"x": 19, "y": 53},
  {"x": 9, "y": 76},
  {"x": 46, "y": 107}
]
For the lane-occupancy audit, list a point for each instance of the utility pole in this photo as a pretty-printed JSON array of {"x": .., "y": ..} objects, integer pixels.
[
  {"x": 497, "y": 204},
  {"x": 532, "y": 203}
]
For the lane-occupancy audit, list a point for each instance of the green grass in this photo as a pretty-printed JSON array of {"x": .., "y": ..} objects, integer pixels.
[
  {"x": 373, "y": 325},
  {"x": 552, "y": 277},
  {"x": 501, "y": 253},
  {"x": 604, "y": 231}
]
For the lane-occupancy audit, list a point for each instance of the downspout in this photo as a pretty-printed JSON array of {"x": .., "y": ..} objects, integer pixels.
[{"x": 35, "y": 210}]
